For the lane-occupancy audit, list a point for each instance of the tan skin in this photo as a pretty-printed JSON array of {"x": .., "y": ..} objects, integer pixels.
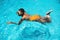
[
  {"x": 26, "y": 17},
  {"x": 23, "y": 18}
]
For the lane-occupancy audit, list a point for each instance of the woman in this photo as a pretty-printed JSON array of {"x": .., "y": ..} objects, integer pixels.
[{"x": 25, "y": 16}]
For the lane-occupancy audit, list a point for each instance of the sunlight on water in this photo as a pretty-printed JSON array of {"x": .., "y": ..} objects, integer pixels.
[{"x": 29, "y": 30}]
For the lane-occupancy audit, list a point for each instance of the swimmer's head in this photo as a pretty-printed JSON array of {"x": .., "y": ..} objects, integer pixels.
[{"x": 21, "y": 12}]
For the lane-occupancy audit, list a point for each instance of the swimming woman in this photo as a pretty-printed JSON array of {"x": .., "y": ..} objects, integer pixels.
[{"x": 38, "y": 18}]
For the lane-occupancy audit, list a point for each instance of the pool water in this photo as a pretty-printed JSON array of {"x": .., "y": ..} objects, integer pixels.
[{"x": 29, "y": 30}]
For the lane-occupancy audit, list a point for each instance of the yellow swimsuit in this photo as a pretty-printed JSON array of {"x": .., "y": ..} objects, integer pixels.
[{"x": 34, "y": 17}]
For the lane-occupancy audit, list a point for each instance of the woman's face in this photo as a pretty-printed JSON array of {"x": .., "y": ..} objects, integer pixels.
[{"x": 19, "y": 13}]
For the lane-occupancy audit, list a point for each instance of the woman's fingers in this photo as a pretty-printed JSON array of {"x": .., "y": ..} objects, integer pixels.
[{"x": 9, "y": 22}]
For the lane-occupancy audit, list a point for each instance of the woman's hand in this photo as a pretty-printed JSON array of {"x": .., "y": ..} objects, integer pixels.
[{"x": 11, "y": 23}]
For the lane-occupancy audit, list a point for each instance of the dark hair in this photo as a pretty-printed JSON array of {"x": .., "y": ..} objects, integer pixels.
[{"x": 22, "y": 10}]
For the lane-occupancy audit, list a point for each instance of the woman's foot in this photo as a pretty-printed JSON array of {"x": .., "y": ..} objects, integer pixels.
[{"x": 48, "y": 13}]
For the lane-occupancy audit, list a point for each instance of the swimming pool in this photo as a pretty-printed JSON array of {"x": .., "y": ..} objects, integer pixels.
[{"x": 29, "y": 30}]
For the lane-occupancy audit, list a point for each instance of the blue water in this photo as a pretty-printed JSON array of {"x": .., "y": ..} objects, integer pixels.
[{"x": 29, "y": 30}]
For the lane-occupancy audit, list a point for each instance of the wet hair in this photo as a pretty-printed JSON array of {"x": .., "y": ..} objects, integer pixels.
[{"x": 22, "y": 10}]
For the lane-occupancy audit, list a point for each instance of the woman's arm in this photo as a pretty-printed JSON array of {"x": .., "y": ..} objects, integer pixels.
[
  {"x": 16, "y": 23},
  {"x": 20, "y": 21}
]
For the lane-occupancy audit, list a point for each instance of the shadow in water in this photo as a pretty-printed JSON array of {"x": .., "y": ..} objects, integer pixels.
[{"x": 31, "y": 33}]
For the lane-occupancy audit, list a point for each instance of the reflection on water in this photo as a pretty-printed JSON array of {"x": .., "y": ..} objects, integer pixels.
[{"x": 29, "y": 30}]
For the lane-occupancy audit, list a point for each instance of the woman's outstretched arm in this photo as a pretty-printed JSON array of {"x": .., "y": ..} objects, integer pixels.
[{"x": 16, "y": 23}]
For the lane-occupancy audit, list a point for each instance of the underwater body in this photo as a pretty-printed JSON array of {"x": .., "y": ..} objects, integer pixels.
[{"x": 29, "y": 30}]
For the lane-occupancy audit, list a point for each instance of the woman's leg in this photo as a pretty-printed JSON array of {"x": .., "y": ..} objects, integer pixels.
[{"x": 47, "y": 17}]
